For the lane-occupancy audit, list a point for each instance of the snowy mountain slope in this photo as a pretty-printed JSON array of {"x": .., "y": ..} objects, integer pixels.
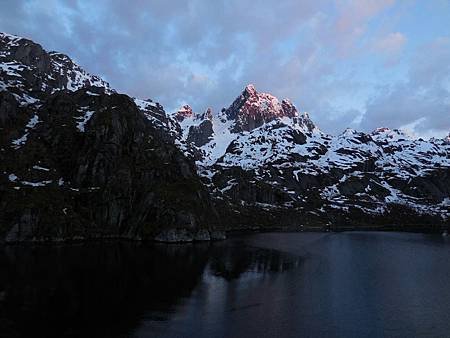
[
  {"x": 281, "y": 152},
  {"x": 262, "y": 162},
  {"x": 29, "y": 72}
]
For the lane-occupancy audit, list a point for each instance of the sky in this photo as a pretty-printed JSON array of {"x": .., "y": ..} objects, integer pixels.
[{"x": 360, "y": 64}]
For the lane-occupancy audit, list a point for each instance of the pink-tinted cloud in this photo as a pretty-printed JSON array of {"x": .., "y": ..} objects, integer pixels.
[
  {"x": 318, "y": 53},
  {"x": 392, "y": 43},
  {"x": 352, "y": 20}
]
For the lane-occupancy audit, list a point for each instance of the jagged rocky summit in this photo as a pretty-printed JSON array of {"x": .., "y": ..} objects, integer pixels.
[{"x": 80, "y": 161}]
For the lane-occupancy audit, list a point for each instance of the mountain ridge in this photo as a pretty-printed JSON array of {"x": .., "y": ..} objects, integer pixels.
[
  {"x": 82, "y": 162},
  {"x": 259, "y": 163},
  {"x": 292, "y": 149}
]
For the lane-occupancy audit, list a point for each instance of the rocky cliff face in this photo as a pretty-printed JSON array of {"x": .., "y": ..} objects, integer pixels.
[
  {"x": 79, "y": 161},
  {"x": 252, "y": 109}
]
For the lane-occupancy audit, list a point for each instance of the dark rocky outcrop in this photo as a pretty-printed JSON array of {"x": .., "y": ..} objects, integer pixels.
[
  {"x": 110, "y": 177},
  {"x": 201, "y": 134},
  {"x": 79, "y": 161}
]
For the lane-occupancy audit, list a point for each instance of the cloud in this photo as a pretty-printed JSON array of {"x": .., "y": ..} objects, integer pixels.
[
  {"x": 422, "y": 101},
  {"x": 390, "y": 47},
  {"x": 352, "y": 20},
  {"x": 391, "y": 44},
  {"x": 204, "y": 52}
]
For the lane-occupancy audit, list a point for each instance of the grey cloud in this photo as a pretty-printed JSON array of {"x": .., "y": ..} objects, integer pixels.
[
  {"x": 204, "y": 52},
  {"x": 424, "y": 96}
]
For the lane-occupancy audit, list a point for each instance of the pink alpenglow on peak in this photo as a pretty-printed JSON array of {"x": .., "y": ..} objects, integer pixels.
[
  {"x": 183, "y": 113},
  {"x": 250, "y": 89},
  {"x": 253, "y": 109},
  {"x": 289, "y": 108}
]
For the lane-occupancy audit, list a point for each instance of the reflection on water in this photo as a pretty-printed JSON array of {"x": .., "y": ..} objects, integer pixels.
[
  {"x": 230, "y": 262},
  {"x": 357, "y": 284},
  {"x": 106, "y": 289}
]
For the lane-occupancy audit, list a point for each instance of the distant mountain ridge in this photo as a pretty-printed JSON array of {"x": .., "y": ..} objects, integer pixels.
[
  {"x": 261, "y": 153},
  {"x": 80, "y": 161}
]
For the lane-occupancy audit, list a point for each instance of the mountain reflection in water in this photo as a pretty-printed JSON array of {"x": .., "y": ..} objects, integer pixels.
[
  {"x": 105, "y": 289},
  {"x": 350, "y": 284}
]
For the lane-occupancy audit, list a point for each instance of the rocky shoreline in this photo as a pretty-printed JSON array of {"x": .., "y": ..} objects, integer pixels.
[
  {"x": 182, "y": 236},
  {"x": 169, "y": 236}
]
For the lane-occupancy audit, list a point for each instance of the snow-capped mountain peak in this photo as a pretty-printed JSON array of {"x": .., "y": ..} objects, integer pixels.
[
  {"x": 260, "y": 144},
  {"x": 263, "y": 161},
  {"x": 447, "y": 139},
  {"x": 250, "y": 89},
  {"x": 250, "y": 112},
  {"x": 183, "y": 113},
  {"x": 252, "y": 109},
  {"x": 30, "y": 73},
  {"x": 207, "y": 115},
  {"x": 388, "y": 135}
]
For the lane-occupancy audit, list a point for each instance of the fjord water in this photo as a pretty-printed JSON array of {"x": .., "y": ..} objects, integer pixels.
[{"x": 353, "y": 284}]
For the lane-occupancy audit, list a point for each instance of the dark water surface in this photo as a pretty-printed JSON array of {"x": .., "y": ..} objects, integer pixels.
[{"x": 262, "y": 285}]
